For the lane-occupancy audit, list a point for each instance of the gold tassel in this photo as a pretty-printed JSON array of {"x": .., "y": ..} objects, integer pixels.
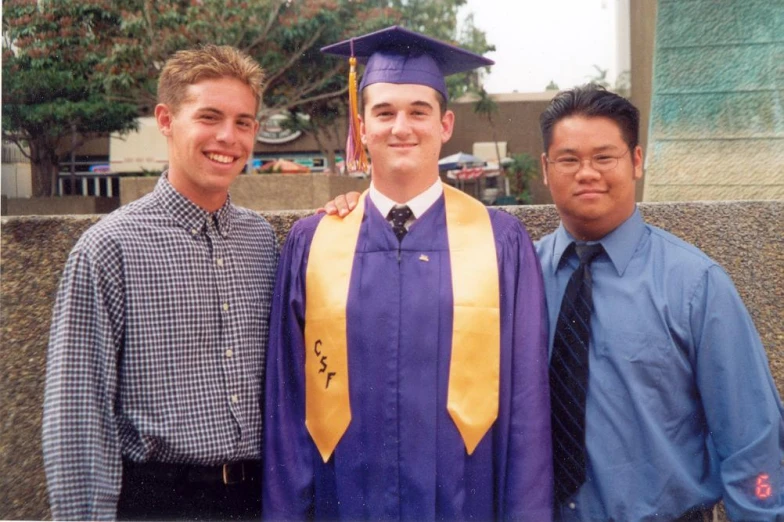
[{"x": 356, "y": 159}]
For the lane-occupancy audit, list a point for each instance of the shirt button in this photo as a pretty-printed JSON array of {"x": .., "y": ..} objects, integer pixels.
[
  {"x": 235, "y": 399},
  {"x": 225, "y": 307},
  {"x": 219, "y": 261},
  {"x": 229, "y": 353},
  {"x": 572, "y": 505},
  {"x": 194, "y": 231}
]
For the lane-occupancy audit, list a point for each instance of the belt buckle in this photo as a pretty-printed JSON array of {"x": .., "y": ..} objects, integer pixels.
[{"x": 232, "y": 475}]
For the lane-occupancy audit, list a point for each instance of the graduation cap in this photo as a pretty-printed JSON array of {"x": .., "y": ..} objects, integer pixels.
[{"x": 398, "y": 55}]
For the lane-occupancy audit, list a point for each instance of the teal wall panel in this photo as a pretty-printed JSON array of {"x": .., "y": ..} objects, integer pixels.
[
  {"x": 717, "y": 108},
  {"x": 721, "y": 22}
]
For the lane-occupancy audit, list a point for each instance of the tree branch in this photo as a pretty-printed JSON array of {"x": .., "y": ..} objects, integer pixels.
[
  {"x": 294, "y": 103},
  {"x": 271, "y": 19},
  {"x": 295, "y": 56},
  {"x": 16, "y": 140}
]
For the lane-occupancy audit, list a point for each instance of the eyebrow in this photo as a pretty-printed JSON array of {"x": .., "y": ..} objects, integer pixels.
[
  {"x": 421, "y": 103},
  {"x": 597, "y": 150},
  {"x": 386, "y": 105},
  {"x": 212, "y": 110}
]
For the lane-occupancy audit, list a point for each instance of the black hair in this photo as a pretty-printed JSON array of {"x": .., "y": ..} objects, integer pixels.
[{"x": 591, "y": 100}]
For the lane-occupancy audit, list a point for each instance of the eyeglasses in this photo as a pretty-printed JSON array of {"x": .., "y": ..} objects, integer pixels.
[{"x": 571, "y": 165}]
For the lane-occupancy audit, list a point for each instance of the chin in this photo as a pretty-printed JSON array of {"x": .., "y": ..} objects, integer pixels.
[{"x": 221, "y": 182}]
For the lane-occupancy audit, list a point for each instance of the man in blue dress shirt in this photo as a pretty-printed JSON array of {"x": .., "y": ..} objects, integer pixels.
[{"x": 681, "y": 408}]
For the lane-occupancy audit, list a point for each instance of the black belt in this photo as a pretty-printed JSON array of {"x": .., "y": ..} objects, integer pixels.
[{"x": 229, "y": 473}]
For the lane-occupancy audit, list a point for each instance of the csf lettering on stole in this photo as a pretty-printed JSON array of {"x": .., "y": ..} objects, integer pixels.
[{"x": 317, "y": 349}]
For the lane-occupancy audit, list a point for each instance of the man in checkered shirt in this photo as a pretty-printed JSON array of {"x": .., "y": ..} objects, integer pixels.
[{"x": 156, "y": 357}]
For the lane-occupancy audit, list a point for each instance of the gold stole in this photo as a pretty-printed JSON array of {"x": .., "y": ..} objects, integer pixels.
[{"x": 474, "y": 371}]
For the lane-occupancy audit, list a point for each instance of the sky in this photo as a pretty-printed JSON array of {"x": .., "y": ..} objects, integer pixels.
[{"x": 542, "y": 40}]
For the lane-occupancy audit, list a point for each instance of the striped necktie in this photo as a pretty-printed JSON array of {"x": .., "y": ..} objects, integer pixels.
[{"x": 569, "y": 376}]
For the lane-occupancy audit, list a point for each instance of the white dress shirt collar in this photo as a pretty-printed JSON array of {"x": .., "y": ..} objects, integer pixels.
[{"x": 418, "y": 204}]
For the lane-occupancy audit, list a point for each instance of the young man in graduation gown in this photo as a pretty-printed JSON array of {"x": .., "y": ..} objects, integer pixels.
[{"x": 407, "y": 367}]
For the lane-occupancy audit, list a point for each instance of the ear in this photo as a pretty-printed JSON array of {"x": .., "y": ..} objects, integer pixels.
[
  {"x": 362, "y": 136},
  {"x": 544, "y": 168},
  {"x": 637, "y": 162},
  {"x": 164, "y": 117},
  {"x": 447, "y": 126}
]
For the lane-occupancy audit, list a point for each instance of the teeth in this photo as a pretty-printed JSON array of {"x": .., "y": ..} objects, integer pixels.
[{"x": 220, "y": 158}]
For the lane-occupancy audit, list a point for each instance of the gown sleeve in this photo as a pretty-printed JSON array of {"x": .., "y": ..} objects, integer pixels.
[
  {"x": 288, "y": 476},
  {"x": 528, "y": 491}
]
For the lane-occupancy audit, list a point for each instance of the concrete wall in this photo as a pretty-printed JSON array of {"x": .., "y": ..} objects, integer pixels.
[
  {"x": 266, "y": 191},
  {"x": 17, "y": 180},
  {"x": 717, "y": 113},
  {"x": 58, "y": 206},
  {"x": 642, "y": 27},
  {"x": 744, "y": 237}
]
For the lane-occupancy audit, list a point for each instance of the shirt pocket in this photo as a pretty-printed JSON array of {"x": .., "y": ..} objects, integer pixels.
[{"x": 632, "y": 362}]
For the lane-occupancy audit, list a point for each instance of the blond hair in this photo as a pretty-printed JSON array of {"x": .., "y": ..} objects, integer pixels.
[{"x": 190, "y": 66}]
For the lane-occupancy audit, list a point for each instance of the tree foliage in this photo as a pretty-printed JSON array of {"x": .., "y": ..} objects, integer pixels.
[
  {"x": 91, "y": 66},
  {"x": 520, "y": 172},
  {"x": 284, "y": 36},
  {"x": 56, "y": 80},
  {"x": 487, "y": 107}
]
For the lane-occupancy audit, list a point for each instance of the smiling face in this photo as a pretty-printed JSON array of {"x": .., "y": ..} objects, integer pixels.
[
  {"x": 403, "y": 129},
  {"x": 210, "y": 137},
  {"x": 591, "y": 203}
]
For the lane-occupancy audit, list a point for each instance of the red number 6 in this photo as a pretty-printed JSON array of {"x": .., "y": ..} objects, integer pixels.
[{"x": 763, "y": 489}]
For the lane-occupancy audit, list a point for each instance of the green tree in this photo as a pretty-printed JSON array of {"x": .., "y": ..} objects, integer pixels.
[
  {"x": 58, "y": 80},
  {"x": 520, "y": 172},
  {"x": 115, "y": 50},
  {"x": 600, "y": 77},
  {"x": 486, "y": 107},
  {"x": 552, "y": 86},
  {"x": 282, "y": 35},
  {"x": 622, "y": 84},
  {"x": 325, "y": 122}
]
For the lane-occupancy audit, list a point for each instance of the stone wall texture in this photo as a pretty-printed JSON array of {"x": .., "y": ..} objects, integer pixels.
[
  {"x": 717, "y": 110},
  {"x": 744, "y": 237}
]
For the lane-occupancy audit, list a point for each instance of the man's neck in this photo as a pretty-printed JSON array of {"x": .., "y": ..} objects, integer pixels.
[{"x": 209, "y": 201}]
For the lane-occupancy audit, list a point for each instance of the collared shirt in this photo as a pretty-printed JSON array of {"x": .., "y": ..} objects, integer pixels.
[
  {"x": 418, "y": 204},
  {"x": 157, "y": 346},
  {"x": 682, "y": 409}
]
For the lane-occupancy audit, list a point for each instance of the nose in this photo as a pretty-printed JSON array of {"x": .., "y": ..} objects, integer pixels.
[
  {"x": 587, "y": 170},
  {"x": 227, "y": 133},
  {"x": 401, "y": 125}
]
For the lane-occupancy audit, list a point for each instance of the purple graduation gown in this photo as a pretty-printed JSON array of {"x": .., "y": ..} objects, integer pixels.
[{"x": 402, "y": 458}]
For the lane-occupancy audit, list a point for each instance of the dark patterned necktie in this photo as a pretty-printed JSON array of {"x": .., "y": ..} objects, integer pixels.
[
  {"x": 569, "y": 376},
  {"x": 398, "y": 217}
]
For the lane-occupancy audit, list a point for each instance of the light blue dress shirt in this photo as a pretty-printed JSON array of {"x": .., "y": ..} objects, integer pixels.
[{"x": 682, "y": 409}]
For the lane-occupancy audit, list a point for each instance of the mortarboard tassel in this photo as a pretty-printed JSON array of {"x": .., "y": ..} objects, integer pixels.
[{"x": 356, "y": 159}]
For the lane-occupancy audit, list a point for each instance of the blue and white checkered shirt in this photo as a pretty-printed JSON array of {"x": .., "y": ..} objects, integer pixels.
[{"x": 157, "y": 347}]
